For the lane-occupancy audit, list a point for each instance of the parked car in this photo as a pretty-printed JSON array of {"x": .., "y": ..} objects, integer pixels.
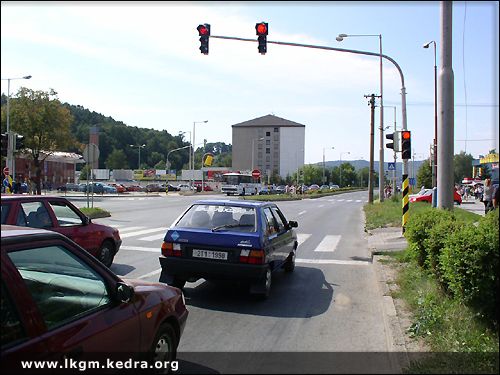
[
  {"x": 324, "y": 187},
  {"x": 334, "y": 187},
  {"x": 235, "y": 240},
  {"x": 58, "y": 301},
  {"x": 119, "y": 187},
  {"x": 205, "y": 187},
  {"x": 60, "y": 215},
  {"x": 267, "y": 191},
  {"x": 172, "y": 188},
  {"x": 426, "y": 196},
  {"x": 69, "y": 187},
  {"x": 134, "y": 187},
  {"x": 280, "y": 189},
  {"x": 154, "y": 188},
  {"x": 313, "y": 187},
  {"x": 186, "y": 187}
]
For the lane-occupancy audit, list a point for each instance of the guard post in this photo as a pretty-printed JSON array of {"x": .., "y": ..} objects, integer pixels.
[{"x": 405, "y": 201}]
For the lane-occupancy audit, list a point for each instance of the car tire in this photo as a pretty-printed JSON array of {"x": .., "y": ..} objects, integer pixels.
[
  {"x": 178, "y": 283},
  {"x": 164, "y": 346},
  {"x": 289, "y": 263},
  {"x": 267, "y": 281},
  {"x": 106, "y": 253}
]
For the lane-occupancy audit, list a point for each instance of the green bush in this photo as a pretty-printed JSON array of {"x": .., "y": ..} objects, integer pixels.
[
  {"x": 418, "y": 233},
  {"x": 469, "y": 264}
]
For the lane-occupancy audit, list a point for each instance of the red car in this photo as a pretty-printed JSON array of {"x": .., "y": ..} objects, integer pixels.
[
  {"x": 60, "y": 215},
  {"x": 426, "y": 196},
  {"x": 119, "y": 187},
  {"x": 60, "y": 304}
]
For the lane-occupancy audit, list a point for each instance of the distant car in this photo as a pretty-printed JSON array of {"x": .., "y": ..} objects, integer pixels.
[
  {"x": 119, "y": 187},
  {"x": 186, "y": 187},
  {"x": 267, "y": 191},
  {"x": 426, "y": 196},
  {"x": 313, "y": 187},
  {"x": 280, "y": 189},
  {"x": 324, "y": 187},
  {"x": 134, "y": 187},
  {"x": 205, "y": 187},
  {"x": 229, "y": 240},
  {"x": 334, "y": 187},
  {"x": 154, "y": 188},
  {"x": 172, "y": 187},
  {"x": 60, "y": 215},
  {"x": 59, "y": 301}
]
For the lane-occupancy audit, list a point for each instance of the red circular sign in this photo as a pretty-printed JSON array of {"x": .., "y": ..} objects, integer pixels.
[
  {"x": 256, "y": 173},
  {"x": 6, "y": 171}
]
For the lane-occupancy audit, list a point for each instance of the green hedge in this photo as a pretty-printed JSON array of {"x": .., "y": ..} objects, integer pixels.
[{"x": 463, "y": 256}]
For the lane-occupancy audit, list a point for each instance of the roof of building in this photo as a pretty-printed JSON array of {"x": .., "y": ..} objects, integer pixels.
[{"x": 269, "y": 121}]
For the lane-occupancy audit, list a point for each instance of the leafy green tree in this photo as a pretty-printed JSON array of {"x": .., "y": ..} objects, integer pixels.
[
  {"x": 44, "y": 122},
  {"x": 363, "y": 175},
  {"x": 117, "y": 160},
  {"x": 462, "y": 166},
  {"x": 312, "y": 174},
  {"x": 424, "y": 175}
]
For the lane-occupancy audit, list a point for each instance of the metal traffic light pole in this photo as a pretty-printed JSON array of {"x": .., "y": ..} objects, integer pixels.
[{"x": 403, "y": 89}]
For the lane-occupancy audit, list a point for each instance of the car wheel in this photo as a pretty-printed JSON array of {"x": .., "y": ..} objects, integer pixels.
[
  {"x": 107, "y": 253},
  {"x": 290, "y": 263},
  {"x": 164, "y": 346},
  {"x": 178, "y": 283},
  {"x": 267, "y": 284}
]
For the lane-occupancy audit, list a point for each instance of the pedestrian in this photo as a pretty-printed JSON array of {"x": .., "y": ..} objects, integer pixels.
[
  {"x": 487, "y": 196},
  {"x": 16, "y": 186},
  {"x": 496, "y": 196},
  {"x": 7, "y": 184}
]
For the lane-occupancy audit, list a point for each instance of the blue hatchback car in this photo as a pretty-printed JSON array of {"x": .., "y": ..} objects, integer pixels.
[{"x": 229, "y": 240}]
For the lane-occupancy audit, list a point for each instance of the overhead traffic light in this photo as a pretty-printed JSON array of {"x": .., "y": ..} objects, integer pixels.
[
  {"x": 5, "y": 144},
  {"x": 204, "y": 33},
  {"x": 406, "y": 144},
  {"x": 262, "y": 31}
]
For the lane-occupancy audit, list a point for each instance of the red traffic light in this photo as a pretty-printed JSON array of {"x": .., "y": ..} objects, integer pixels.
[
  {"x": 261, "y": 28},
  {"x": 203, "y": 30},
  {"x": 406, "y": 135}
]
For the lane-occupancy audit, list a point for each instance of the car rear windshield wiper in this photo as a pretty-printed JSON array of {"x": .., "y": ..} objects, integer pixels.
[{"x": 230, "y": 226}]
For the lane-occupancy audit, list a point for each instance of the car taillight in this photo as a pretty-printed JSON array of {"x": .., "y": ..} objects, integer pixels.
[
  {"x": 252, "y": 256},
  {"x": 169, "y": 249}
]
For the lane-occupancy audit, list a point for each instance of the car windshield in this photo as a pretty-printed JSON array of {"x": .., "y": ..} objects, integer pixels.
[{"x": 219, "y": 217}]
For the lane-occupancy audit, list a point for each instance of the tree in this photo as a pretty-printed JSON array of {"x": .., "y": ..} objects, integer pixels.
[
  {"x": 424, "y": 175},
  {"x": 117, "y": 160},
  {"x": 363, "y": 176},
  {"x": 462, "y": 166},
  {"x": 45, "y": 124}
]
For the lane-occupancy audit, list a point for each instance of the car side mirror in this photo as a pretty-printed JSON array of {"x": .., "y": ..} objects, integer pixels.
[
  {"x": 124, "y": 292},
  {"x": 293, "y": 224},
  {"x": 86, "y": 220}
]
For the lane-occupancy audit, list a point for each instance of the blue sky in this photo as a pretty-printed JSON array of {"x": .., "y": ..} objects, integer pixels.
[{"x": 139, "y": 62}]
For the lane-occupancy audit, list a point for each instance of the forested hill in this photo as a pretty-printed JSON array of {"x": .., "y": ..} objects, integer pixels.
[{"x": 116, "y": 138}]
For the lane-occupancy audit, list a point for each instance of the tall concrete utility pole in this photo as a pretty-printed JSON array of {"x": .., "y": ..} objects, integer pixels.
[{"x": 446, "y": 112}]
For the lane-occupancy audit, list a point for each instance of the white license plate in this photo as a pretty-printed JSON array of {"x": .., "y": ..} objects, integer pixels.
[{"x": 209, "y": 254}]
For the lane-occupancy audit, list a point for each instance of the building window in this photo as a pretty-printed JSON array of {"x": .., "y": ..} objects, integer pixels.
[
  {"x": 268, "y": 142},
  {"x": 268, "y": 158},
  {"x": 268, "y": 150},
  {"x": 276, "y": 130},
  {"x": 268, "y": 134},
  {"x": 276, "y": 155}
]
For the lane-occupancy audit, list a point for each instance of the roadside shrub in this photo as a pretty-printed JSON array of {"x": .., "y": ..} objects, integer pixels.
[
  {"x": 418, "y": 231},
  {"x": 469, "y": 265}
]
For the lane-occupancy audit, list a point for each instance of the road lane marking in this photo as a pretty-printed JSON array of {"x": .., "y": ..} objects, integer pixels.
[
  {"x": 321, "y": 205},
  {"x": 328, "y": 244},
  {"x": 139, "y": 248},
  {"x": 126, "y": 229},
  {"x": 145, "y": 231},
  {"x": 155, "y": 237},
  {"x": 333, "y": 261},
  {"x": 156, "y": 272},
  {"x": 302, "y": 237},
  {"x": 301, "y": 213},
  {"x": 349, "y": 200}
]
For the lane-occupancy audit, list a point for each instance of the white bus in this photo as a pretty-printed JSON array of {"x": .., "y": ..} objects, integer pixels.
[{"x": 239, "y": 184}]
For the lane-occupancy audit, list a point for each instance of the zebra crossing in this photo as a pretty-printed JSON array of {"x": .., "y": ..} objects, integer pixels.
[{"x": 328, "y": 244}]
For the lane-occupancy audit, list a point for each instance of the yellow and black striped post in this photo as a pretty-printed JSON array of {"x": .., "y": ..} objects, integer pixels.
[{"x": 405, "y": 201}]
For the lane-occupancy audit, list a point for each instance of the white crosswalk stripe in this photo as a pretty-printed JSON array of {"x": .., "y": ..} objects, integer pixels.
[
  {"x": 129, "y": 229},
  {"x": 328, "y": 244},
  {"x": 141, "y": 232},
  {"x": 302, "y": 237}
]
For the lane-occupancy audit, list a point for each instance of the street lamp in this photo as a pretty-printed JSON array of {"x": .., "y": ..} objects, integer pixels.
[
  {"x": 381, "y": 151},
  {"x": 253, "y": 150},
  {"x": 139, "y": 147},
  {"x": 324, "y": 164},
  {"x": 194, "y": 132},
  {"x": 190, "y": 144},
  {"x": 340, "y": 182},
  {"x": 10, "y": 145},
  {"x": 434, "y": 162}
]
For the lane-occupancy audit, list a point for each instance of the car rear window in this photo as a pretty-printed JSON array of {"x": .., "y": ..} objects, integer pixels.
[
  {"x": 219, "y": 217},
  {"x": 5, "y": 212}
]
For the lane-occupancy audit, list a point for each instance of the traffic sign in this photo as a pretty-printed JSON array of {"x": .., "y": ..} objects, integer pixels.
[
  {"x": 412, "y": 181},
  {"x": 392, "y": 166},
  {"x": 91, "y": 153},
  {"x": 6, "y": 171},
  {"x": 256, "y": 173}
]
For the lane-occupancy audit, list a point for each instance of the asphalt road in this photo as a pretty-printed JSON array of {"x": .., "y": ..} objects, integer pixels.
[{"x": 326, "y": 316}]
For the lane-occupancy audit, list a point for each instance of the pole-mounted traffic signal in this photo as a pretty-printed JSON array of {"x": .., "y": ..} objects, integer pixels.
[
  {"x": 394, "y": 137},
  {"x": 5, "y": 143},
  {"x": 204, "y": 33},
  {"x": 19, "y": 142},
  {"x": 406, "y": 144},
  {"x": 262, "y": 30}
]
